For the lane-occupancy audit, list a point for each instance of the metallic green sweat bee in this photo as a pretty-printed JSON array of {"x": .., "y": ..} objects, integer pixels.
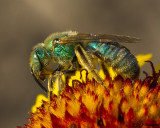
[{"x": 72, "y": 50}]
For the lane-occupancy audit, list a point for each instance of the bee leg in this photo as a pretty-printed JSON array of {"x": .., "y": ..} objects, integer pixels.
[
  {"x": 85, "y": 61},
  {"x": 69, "y": 71},
  {"x": 72, "y": 69},
  {"x": 104, "y": 68},
  {"x": 68, "y": 74},
  {"x": 38, "y": 82},
  {"x": 58, "y": 69},
  {"x": 60, "y": 83},
  {"x": 50, "y": 88}
]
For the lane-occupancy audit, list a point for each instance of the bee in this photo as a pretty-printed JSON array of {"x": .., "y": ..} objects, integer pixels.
[{"x": 71, "y": 50}]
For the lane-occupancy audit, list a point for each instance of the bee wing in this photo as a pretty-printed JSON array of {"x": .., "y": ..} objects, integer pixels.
[{"x": 99, "y": 37}]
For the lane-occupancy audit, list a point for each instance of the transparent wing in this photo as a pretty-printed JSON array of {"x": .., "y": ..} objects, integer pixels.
[{"x": 98, "y": 37}]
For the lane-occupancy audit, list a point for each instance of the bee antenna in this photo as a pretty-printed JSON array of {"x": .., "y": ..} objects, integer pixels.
[{"x": 37, "y": 81}]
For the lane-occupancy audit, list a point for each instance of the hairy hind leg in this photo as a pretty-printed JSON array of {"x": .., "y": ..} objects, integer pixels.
[{"x": 85, "y": 60}]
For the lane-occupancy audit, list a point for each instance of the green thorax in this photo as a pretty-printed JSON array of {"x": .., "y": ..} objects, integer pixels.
[{"x": 64, "y": 52}]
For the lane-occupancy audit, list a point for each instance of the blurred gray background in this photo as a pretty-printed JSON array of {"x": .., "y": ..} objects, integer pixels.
[{"x": 24, "y": 23}]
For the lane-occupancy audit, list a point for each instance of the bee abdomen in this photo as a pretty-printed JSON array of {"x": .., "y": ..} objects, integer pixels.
[
  {"x": 127, "y": 65},
  {"x": 118, "y": 57}
]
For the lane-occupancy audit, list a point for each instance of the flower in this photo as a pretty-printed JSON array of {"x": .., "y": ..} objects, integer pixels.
[{"x": 87, "y": 104}]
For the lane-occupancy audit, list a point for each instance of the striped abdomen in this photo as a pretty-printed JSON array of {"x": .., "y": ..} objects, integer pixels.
[{"x": 116, "y": 56}]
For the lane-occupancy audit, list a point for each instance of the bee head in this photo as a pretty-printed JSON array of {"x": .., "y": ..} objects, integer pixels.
[{"x": 39, "y": 59}]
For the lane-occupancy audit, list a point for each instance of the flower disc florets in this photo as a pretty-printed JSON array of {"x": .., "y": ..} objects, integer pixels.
[{"x": 88, "y": 104}]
